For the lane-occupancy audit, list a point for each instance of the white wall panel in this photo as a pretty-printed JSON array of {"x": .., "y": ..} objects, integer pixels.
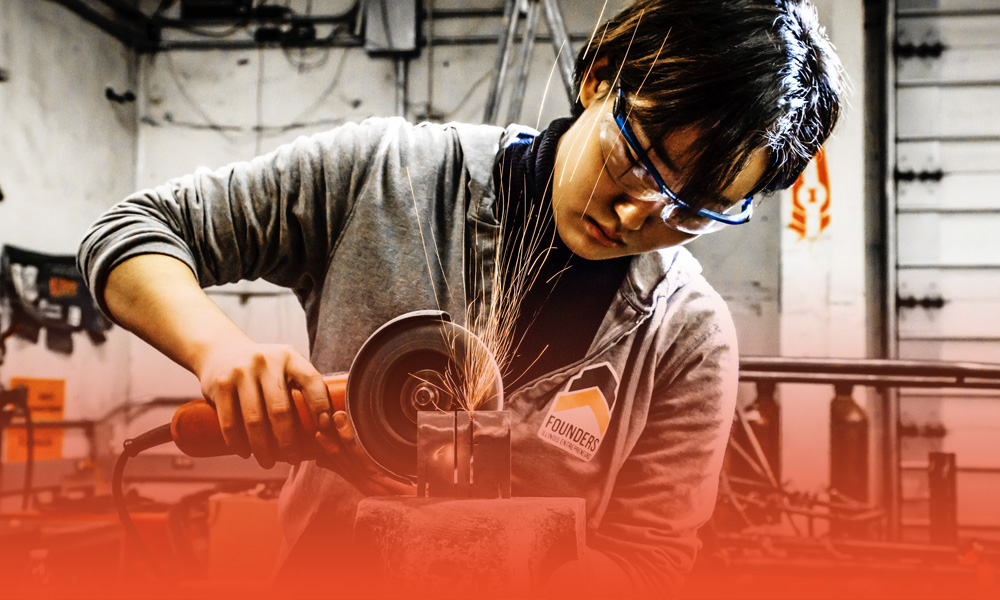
[
  {"x": 67, "y": 150},
  {"x": 987, "y": 351},
  {"x": 954, "y": 31},
  {"x": 946, "y": 112},
  {"x": 955, "y": 66},
  {"x": 946, "y": 105},
  {"x": 970, "y": 303},
  {"x": 968, "y": 157},
  {"x": 921, "y": 6},
  {"x": 970, "y": 175},
  {"x": 943, "y": 239},
  {"x": 979, "y": 191}
]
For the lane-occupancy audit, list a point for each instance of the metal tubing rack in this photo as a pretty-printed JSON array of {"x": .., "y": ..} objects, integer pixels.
[{"x": 881, "y": 375}]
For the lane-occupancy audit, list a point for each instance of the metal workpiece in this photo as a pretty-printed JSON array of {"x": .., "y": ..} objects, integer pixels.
[{"x": 463, "y": 454}]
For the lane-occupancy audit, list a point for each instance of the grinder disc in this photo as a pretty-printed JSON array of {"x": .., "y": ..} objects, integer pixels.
[{"x": 402, "y": 368}]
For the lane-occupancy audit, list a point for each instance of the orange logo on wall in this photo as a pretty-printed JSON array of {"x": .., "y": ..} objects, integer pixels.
[{"x": 811, "y": 199}]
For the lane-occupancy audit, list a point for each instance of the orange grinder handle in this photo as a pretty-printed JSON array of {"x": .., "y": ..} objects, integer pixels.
[{"x": 196, "y": 431}]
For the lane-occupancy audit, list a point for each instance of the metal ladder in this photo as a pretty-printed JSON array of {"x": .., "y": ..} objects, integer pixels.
[{"x": 514, "y": 12}]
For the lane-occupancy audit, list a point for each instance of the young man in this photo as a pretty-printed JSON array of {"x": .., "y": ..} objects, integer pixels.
[{"x": 686, "y": 110}]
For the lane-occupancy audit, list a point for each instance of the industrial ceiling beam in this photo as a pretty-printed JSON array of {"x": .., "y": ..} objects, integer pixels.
[{"x": 129, "y": 36}]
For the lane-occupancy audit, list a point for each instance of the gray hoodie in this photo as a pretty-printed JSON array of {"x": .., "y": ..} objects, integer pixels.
[{"x": 333, "y": 217}]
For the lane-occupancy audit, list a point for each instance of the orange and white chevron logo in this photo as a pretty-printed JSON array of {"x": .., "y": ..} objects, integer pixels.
[
  {"x": 811, "y": 199},
  {"x": 580, "y": 415},
  {"x": 591, "y": 398}
]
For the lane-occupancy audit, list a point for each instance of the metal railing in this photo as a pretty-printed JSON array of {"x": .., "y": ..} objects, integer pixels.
[{"x": 849, "y": 423}]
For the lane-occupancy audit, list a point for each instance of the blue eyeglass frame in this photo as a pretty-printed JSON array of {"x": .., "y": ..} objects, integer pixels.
[{"x": 746, "y": 210}]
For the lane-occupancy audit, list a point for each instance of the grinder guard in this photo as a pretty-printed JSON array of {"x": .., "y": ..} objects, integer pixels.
[{"x": 399, "y": 371}]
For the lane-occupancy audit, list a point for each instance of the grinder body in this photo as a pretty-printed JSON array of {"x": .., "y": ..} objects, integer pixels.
[
  {"x": 196, "y": 432},
  {"x": 411, "y": 364}
]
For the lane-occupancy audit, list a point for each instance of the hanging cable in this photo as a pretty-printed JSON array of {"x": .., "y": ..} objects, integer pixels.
[{"x": 131, "y": 448}]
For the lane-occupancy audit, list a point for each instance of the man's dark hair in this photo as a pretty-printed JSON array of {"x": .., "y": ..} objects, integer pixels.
[{"x": 749, "y": 73}]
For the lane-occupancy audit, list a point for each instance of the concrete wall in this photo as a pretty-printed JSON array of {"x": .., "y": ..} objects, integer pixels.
[{"x": 66, "y": 154}]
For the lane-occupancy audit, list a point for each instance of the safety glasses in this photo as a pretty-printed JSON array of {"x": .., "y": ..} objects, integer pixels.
[{"x": 633, "y": 171}]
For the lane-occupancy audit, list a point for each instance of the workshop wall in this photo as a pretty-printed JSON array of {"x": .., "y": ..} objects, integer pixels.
[{"x": 68, "y": 153}]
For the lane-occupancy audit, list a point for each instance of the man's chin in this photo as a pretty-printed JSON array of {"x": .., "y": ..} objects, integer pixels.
[{"x": 594, "y": 251}]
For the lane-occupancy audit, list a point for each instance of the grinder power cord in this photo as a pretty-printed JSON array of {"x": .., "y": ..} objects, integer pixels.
[{"x": 416, "y": 363}]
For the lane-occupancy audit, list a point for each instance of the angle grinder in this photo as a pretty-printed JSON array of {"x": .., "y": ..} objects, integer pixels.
[{"x": 413, "y": 363}]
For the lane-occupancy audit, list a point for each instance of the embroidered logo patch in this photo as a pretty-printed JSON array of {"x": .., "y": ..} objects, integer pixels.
[{"x": 579, "y": 416}]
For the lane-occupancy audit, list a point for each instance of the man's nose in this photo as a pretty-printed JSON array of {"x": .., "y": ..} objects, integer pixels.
[{"x": 633, "y": 212}]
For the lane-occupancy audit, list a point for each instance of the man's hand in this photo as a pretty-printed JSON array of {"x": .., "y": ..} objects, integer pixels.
[
  {"x": 344, "y": 455},
  {"x": 249, "y": 385},
  {"x": 158, "y": 298}
]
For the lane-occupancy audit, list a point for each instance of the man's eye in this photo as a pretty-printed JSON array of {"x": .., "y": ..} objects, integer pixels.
[{"x": 632, "y": 157}]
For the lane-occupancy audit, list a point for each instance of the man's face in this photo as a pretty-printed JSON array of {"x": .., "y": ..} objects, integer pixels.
[{"x": 595, "y": 218}]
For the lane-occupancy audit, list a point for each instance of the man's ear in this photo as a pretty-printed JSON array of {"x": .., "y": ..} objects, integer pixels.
[{"x": 596, "y": 83}]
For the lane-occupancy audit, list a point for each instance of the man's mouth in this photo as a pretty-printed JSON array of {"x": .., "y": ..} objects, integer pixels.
[{"x": 601, "y": 235}]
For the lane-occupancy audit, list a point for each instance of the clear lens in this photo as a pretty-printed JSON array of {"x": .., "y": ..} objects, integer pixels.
[
  {"x": 627, "y": 172},
  {"x": 681, "y": 219}
]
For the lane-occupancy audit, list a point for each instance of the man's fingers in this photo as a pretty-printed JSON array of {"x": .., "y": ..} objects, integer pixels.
[
  {"x": 345, "y": 431},
  {"x": 227, "y": 406},
  {"x": 305, "y": 376},
  {"x": 345, "y": 455},
  {"x": 350, "y": 441},
  {"x": 330, "y": 446},
  {"x": 280, "y": 411},
  {"x": 256, "y": 421}
]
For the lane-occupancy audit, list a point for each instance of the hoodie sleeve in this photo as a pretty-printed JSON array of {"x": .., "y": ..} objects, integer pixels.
[{"x": 276, "y": 217}]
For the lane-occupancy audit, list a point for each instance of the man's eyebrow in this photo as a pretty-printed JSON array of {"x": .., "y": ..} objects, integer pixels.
[{"x": 652, "y": 150}]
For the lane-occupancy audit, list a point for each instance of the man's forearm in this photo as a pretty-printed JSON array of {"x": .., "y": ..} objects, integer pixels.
[{"x": 158, "y": 298}]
